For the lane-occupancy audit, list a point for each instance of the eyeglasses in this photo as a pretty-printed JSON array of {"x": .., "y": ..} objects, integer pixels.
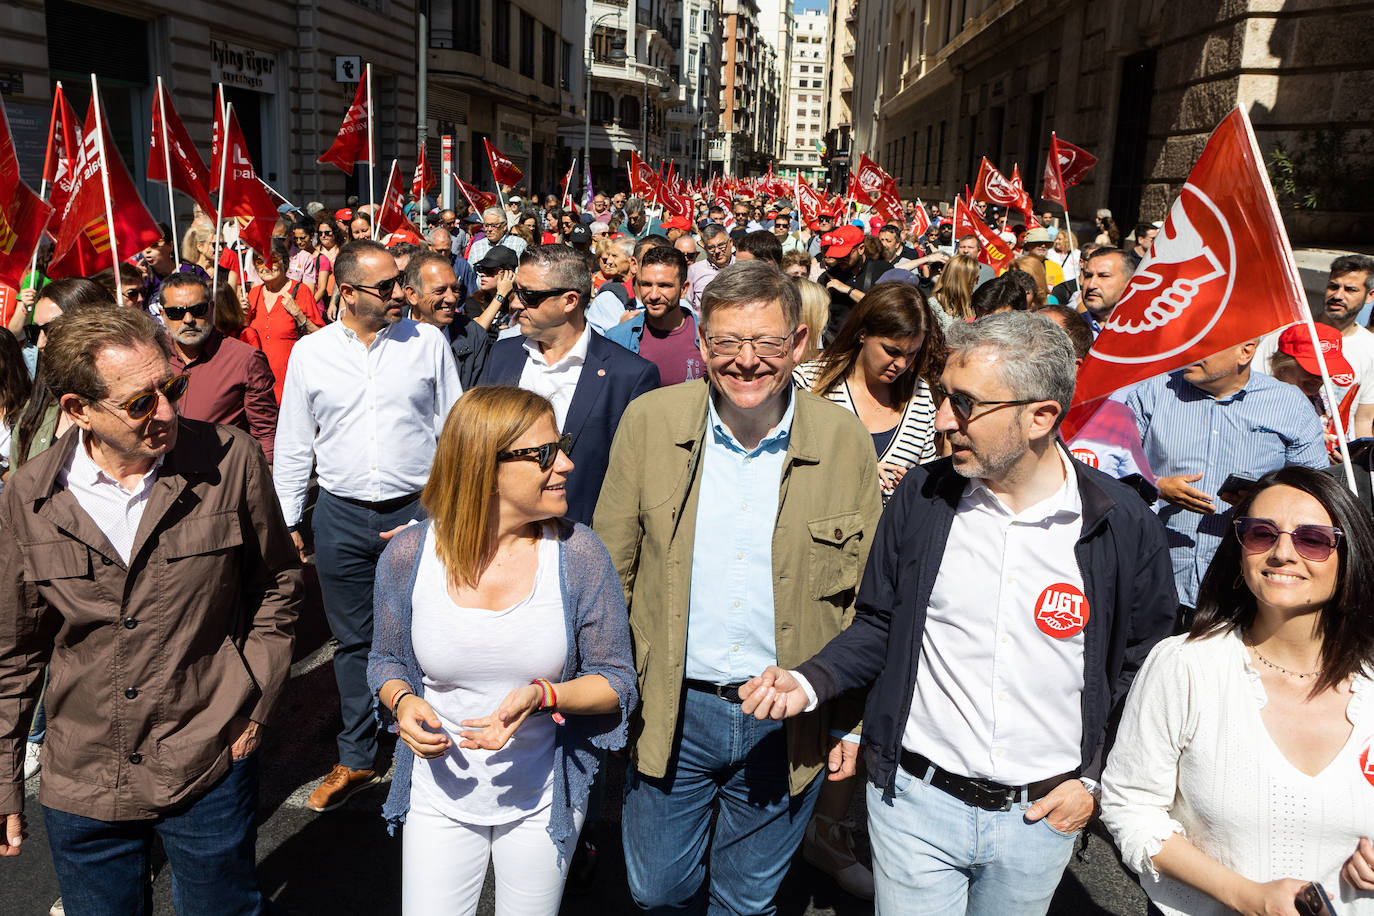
[
  {"x": 144, "y": 403},
  {"x": 178, "y": 313},
  {"x": 133, "y": 292},
  {"x": 963, "y": 406},
  {"x": 531, "y": 298},
  {"x": 301, "y": 238},
  {"x": 764, "y": 347},
  {"x": 384, "y": 288},
  {"x": 490, "y": 226},
  {"x": 717, "y": 249},
  {"x": 543, "y": 454},
  {"x": 32, "y": 331},
  {"x": 1312, "y": 542}
]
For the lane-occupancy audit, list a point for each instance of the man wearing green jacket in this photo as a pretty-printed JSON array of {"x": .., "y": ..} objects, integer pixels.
[{"x": 739, "y": 514}]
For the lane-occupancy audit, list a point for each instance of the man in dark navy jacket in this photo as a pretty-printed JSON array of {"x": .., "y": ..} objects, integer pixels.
[
  {"x": 588, "y": 379},
  {"x": 1010, "y": 596}
]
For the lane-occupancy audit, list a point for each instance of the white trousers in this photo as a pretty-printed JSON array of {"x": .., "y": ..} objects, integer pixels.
[{"x": 444, "y": 864}]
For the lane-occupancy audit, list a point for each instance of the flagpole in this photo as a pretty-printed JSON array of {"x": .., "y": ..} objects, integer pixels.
[
  {"x": 105, "y": 186},
  {"x": 219, "y": 201},
  {"x": 167, "y": 170},
  {"x": 371, "y": 158}
]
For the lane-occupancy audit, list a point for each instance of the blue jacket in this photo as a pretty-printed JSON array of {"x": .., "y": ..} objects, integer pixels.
[
  {"x": 629, "y": 333},
  {"x": 611, "y": 378},
  {"x": 598, "y": 643},
  {"x": 1127, "y": 577}
]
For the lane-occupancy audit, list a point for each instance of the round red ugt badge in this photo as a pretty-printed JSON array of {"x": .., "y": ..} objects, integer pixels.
[
  {"x": 1366, "y": 762},
  {"x": 1061, "y": 611}
]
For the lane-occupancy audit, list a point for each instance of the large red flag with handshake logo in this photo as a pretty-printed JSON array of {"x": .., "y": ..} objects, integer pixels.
[
  {"x": 502, "y": 169},
  {"x": 178, "y": 163},
  {"x": 1221, "y": 272},
  {"x": 478, "y": 200},
  {"x": 350, "y": 146},
  {"x": 1065, "y": 167},
  {"x": 644, "y": 181},
  {"x": 992, "y": 251},
  {"x": 996, "y": 188},
  {"x": 809, "y": 201},
  {"x": 23, "y": 214}
]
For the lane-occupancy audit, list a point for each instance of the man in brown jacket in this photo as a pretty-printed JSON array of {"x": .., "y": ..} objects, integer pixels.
[{"x": 145, "y": 559}]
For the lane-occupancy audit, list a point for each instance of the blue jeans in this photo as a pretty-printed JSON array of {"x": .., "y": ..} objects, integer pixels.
[
  {"x": 736, "y": 767},
  {"x": 39, "y": 729},
  {"x": 934, "y": 854},
  {"x": 103, "y": 867},
  {"x": 348, "y": 545}
]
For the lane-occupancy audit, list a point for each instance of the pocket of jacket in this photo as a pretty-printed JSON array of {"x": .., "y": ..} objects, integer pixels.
[
  {"x": 202, "y": 535},
  {"x": 833, "y": 557},
  {"x": 56, "y": 560}
]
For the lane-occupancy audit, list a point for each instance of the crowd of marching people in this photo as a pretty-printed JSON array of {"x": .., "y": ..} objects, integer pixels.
[{"x": 772, "y": 512}]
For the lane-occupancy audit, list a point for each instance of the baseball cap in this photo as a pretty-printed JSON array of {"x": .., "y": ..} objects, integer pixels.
[
  {"x": 499, "y": 257},
  {"x": 1296, "y": 341},
  {"x": 677, "y": 222},
  {"x": 344, "y": 214},
  {"x": 515, "y": 199},
  {"x": 580, "y": 235},
  {"x": 876, "y": 223},
  {"x": 840, "y": 242},
  {"x": 472, "y": 217},
  {"x": 1036, "y": 237}
]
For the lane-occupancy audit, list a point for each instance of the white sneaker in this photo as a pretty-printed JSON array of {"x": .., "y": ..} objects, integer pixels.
[
  {"x": 57, "y": 909},
  {"x": 31, "y": 759}
]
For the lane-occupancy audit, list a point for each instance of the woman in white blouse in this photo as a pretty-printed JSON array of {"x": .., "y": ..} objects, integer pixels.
[{"x": 1244, "y": 765}]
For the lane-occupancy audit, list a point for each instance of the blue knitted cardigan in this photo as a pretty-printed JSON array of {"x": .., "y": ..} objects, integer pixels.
[{"x": 598, "y": 632}]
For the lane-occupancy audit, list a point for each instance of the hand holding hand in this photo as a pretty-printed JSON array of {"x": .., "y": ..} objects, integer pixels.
[
  {"x": 889, "y": 475},
  {"x": 492, "y": 732},
  {"x": 1068, "y": 807},
  {"x": 1175, "y": 491},
  {"x": 420, "y": 727},
  {"x": 1358, "y": 870},
  {"x": 774, "y": 694}
]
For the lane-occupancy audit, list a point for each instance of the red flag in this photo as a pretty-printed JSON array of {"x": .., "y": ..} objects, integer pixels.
[
  {"x": 1221, "y": 272},
  {"x": 350, "y": 146},
  {"x": 1074, "y": 161},
  {"x": 992, "y": 251},
  {"x": 478, "y": 200},
  {"x": 64, "y": 146},
  {"x": 188, "y": 172},
  {"x": 23, "y": 214},
  {"x": 424, "y": 178},
  {"x": 920, "y": 220},
  {"x": 871, "y": 180},
  {"x": 502, "y": 169},
  {"x": 85, "y": 244},
  {"x": 244, "y": 195},
  {"x": 566, "y": 202},
  {"x": 996, "y": 188},
  {"x": 392, "y": 216},
  {"x": 809, "y": 202},
  {"x": 643, "y": 180},
  {"x": 678, "y": 205},
  {"x": 1053, "y": 186}
]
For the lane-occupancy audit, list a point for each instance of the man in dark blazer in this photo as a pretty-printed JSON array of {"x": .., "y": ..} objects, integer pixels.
[{"x": 588, "y": 379}]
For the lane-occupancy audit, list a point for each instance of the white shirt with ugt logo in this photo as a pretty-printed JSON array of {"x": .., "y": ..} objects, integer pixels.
[{"x": 1000, "y": 681}]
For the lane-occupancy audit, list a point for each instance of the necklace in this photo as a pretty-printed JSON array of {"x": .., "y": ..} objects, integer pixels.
[{"x": 1281, "y": 669}]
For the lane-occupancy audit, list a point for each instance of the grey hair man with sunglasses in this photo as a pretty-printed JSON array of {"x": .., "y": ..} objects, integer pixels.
[
  {"x": 1011, "y": 596},
  {"x": 145, "y": 560},
  {"x": 364, "y": 401}
]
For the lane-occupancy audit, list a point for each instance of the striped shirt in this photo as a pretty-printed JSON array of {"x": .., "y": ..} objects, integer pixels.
[
  {"x": 1262, "y": 427},
  {"x": 914, "y": 442}
]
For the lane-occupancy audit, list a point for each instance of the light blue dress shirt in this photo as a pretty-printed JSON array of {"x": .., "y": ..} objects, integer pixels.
[{"x": 730, "y": 628}]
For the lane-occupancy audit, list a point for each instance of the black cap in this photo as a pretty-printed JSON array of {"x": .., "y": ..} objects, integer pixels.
[
  {"x": 579, "y": 235},
  {"x": 499, "y": 257}
]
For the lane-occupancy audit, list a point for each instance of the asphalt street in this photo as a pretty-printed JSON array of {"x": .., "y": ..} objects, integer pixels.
[{"x": 344, "y": 862}]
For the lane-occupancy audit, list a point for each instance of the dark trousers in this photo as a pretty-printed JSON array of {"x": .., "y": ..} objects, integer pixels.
[
  {"x": 348, "y": 545},
  {"x": 103, "y": 866}
]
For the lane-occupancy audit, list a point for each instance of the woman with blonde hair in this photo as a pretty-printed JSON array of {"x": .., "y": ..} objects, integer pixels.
[
  {"x": 1064, "y": 252},
  {"x": 1030, "y": 264},
  {"x": 815, "y": 312},
  {"x": 502, "y": 650},
  {"x": 954, "y": 289},
  {"x": 198, "y": 246}
]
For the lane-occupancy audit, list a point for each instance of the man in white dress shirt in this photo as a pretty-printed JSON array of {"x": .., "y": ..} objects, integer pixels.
[
  {"x": 364, "y": 400},
  {"x": 1011, "y": 594}
]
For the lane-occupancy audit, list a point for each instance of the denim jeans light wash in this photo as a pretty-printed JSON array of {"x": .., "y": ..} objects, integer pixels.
[
  {"x": 935, "y": 854},
  {"x": 728, "y": 763},
  {"x": 103, "y": 866}
]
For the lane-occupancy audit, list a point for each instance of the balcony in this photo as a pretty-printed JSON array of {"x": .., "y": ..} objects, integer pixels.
[{"x": 849, "y": 51}]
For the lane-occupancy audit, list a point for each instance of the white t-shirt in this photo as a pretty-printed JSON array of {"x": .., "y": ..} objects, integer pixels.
[{"x": 471, "y": 659}]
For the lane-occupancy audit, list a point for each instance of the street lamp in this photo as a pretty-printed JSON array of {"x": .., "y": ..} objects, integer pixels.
[
  {"x": 617, "y": 56},
  {"x": 658, "y": 74}
]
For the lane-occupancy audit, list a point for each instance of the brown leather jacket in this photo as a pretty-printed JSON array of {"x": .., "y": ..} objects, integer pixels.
[{"x": 149, "y": 664}]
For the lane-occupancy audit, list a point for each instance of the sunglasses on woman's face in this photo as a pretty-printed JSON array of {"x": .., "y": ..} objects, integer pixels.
[
  {"x": 1312, "y": 542},
  {"x": 31, "y": 332},
  {"x": 543, "y": 454}
]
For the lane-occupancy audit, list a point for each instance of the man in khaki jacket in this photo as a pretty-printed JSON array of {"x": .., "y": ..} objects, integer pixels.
[
  {"x": 739, "y": 514},
  {"x": 145, "y": 559}
]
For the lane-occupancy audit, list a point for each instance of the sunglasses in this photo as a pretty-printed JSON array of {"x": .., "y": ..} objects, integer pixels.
[
  {"x": 144, "y": 403},
  {"x": 1312, "y": 542},
  {"x": 328, "y": 232},
  {"x": 31, "y": 332},
  {"x": 543, "y": 454},
  {"x": 177, "y": 313},
  {"x": 964, "y": 406},
  {"x": 531, "y": 298},
  {"x": 385, "y": 288}
]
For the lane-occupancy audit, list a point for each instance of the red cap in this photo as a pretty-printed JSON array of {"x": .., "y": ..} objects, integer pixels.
[
  {"x": 677, "y": 222},
  {"x": 772, "y": 214},
  {"x": 876, "y": 223},
  {"x": 837, "y": 243},
  {"x": 1296, "y": 341},
  {"x": 344, "y": 214}
]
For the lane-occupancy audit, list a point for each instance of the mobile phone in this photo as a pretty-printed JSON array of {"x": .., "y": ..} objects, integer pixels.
[
  {"x": 1237, "y": 484},
  {"x": 1312, "y": 901}
]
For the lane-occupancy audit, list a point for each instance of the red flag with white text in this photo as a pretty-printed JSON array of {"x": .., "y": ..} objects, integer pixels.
[
  {"x": 1052, "y": 187},
  {"x": 809, "y": 202},
  {"x": 64, "y": 147},
  {"x": 478, "y": 200},
  {"x": 23, "y": 214},
  {"x": 644, "y": 181},
  {"x": 994, "y": 187},
  {"x": 350, "y": 146},
  {"x": 920, "y": 220},
  {"x": 871, "y": 180},
  {"x": 1074, "y": 161},
  {"x": 244, "y": 196},
  {"x": 189, "y": 174},
  {"x": 502, "y": 169},
  {"x": 1221, "y": 272},
  {"x": 392, "y": 216},
  {"x": 992, "y": 251},
  {"x": 424, "y": 178}
]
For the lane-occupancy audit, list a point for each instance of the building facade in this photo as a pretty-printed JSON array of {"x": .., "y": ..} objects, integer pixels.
[
  {"x": 808, "y": 91},
  {"x": 749, "y": 94},
  {"x": 290, "y": 70},
  {"x": 696, "y": 120},
  {"x": 1139, "y": 85},
  {"x": 841, "y": 30}
]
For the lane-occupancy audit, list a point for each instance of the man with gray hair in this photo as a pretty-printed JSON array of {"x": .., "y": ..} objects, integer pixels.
[
  {"x": 494, "y": 232},
  {"x": 638, "y": 223},
  {"x": 1010, "y": 597},
  {"x": 720, "y": 253},
  {"x": 588, "y": 379}
]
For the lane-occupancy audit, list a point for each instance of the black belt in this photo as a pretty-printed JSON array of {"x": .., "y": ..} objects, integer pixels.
[
  {"x": 980, "y": 793},
  {"x": 727, "y": 692},
  {"x": 381, "y": 507}
]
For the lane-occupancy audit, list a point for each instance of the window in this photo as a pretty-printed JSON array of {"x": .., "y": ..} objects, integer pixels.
[
  {"x": 566, "y": 74},
  {"x": 550, "y": 55},
  {"x": 692, "y": 22},
  {"x": 602, "y": 41},
  {"x": 526, "y": 44},
  {"x": 603, "y": 107},
  {"x": 500, "y": 32},
  {"x": 692, "y": 61},
  {"x": 629, "y": 112},
  {"x": 457, "y": 24}
]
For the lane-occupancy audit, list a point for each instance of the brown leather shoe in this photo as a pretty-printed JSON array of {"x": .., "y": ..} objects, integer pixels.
[{"x": 341, "y": 783}]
